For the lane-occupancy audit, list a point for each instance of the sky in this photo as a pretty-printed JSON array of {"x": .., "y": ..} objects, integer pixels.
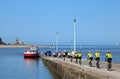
[{"x": 37, "y": 21}]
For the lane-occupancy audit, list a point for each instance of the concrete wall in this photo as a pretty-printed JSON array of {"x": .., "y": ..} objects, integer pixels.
[{"x": 64, "y": 71}]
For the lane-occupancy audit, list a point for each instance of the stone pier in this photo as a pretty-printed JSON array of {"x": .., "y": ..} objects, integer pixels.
[{"x": 67, "y": 70}]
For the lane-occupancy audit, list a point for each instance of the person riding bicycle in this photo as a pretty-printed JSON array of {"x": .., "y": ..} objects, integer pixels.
[
  {"x": 90, "y": 57},
  {"x": 76, "y": 57},
  {"x": 80, "y": 57},
  {"x": 64, "y": 55},
  {"x": 108, "y": 58},
  {"x": 97, "y": 58}
]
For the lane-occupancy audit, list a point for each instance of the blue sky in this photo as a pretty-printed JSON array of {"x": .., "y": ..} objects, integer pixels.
[{"x": 37, "y": 21}]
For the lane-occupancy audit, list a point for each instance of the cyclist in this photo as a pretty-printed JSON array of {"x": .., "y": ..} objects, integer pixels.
[
  {"x": 80, "y": 57},
  {"x": 108, "y": 57},
  {"x": 90, "y": 57},
  {"x": 64, "y": 55},
  {"x": 97, "y": 58}
]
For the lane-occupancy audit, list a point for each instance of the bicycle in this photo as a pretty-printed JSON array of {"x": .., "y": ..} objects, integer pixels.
[
  {"x": 97, "y": 63},
  {"x": 90, "y": 61},
  {"x": 71, "y": 59},
  {"x": 109, "y": 66},
  {"x": 90, "y": 64},
  {"x": 80, "y": 61}
]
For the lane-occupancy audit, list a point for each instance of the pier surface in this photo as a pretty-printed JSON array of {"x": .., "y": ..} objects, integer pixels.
[{"x": 102, "y": 72}]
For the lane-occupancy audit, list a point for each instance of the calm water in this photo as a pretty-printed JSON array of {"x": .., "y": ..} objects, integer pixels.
[{"x": 14, "y": 66}]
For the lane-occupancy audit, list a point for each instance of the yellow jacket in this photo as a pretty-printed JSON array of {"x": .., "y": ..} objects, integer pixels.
[
  {"x": 97, "y": 54},
  {"x": 79, "y": 54},
  {"x": 76, "y": 55},
  {"x": 109, "y": 55},
  {"x": 90, "y": 55},
  {"x": 71, "y": 54}
]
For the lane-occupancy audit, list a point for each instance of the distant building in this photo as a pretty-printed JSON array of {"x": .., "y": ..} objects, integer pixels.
[{"x": 18, "y": 43}]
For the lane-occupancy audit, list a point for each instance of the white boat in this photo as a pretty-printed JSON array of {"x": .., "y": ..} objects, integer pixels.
[{"x": 32, "y": 52}]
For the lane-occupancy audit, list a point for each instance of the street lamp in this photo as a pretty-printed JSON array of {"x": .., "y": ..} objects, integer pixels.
[
  {"x": 74, "y": 34},
  {"x": 71, "y": 45},
  {"x": 57, "y": 42}
]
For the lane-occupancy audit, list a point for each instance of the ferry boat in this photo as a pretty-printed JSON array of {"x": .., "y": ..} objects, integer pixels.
[{"x": 32, "y": 52}]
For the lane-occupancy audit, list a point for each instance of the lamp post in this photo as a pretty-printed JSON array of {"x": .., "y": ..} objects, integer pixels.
[
  {"x": 74, "y": 35},
  {"x": 71, "y": 45},
  {"x": 57, "y": 42}
]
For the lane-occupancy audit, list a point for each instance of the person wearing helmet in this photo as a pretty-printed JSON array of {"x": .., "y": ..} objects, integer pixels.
[
  {"x": 90, "y": 57},
  {"x": 80, "y": 57},
  {"x": 97, "y": 58},
  {"x": 108, "y": 57},
  {"x": 64, "y": 54}
]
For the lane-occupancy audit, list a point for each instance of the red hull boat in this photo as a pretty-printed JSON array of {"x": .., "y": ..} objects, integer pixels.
[{"x": 32, "y": 52}]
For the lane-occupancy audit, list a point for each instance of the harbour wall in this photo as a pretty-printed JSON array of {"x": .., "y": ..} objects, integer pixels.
[{"x": 65, "y": 71}]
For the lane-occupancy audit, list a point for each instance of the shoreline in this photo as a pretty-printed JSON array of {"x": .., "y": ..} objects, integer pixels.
[{"x": 21, "y": 46}]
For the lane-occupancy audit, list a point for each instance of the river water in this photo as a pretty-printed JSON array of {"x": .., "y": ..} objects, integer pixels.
[{"x": 13, "y": 65}]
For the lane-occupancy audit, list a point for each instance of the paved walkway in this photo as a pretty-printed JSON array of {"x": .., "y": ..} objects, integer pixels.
[{"x": 114, "y": 74}]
